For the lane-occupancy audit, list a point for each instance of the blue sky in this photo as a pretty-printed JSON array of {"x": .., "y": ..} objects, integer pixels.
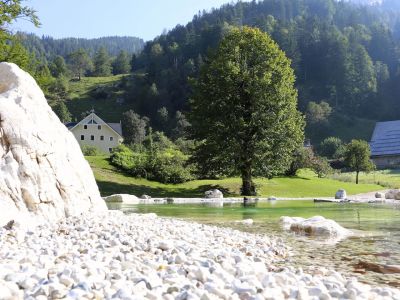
[{"x": 95, "y": 18}]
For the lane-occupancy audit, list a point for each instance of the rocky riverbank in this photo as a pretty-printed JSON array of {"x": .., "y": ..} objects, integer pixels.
[{"x": 110, "y": 255}]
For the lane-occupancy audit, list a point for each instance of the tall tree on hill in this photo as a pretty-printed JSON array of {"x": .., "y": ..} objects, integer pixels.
[
  {"x": 80, "y": 63},
  {"x": 121, "y": 64},
  {"x": 134, "y": 128},
  {"x": 102, "y": 63},
  {"x": 244, "y": 109}
]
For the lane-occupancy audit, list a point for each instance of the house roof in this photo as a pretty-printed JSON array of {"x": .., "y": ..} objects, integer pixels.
[
  {"x": 117, "y": 127},
  {"x": 386, "y": 139}
]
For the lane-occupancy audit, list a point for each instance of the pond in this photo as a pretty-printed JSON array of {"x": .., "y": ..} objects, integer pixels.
[{"x": 377, "y": 227}]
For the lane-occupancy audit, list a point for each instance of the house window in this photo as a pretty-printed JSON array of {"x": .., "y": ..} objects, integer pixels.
[
  {"x": 82, "y": 137},
  {"x": 99, "y": 127},
  {"x": 92, "y": 137},
  {"x": 102, "y": 138},
  {"x": 110, "y": 150},
  {"x": 84, "y": 126},
  {"x": 111, "y": 138}
]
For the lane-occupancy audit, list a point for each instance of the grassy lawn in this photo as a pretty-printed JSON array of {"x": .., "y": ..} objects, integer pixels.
[
  {"x": 386, "y": 178},
  {"x": 85, "y": 95},
  {"x": 307, "y": 184}
]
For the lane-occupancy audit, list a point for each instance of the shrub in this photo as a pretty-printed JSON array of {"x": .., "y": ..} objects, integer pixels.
[
  {"x": 91, "y": 151},
  {"x": 331, "y": 147},
  {"x": 170, "y": 166},
  {"x": 134, "y": 163},
  {"x": 321, "y": 166}
]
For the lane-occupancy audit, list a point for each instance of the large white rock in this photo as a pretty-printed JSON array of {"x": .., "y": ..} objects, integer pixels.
[
  {"x": 42, "y": 169},
  {"x": 393, "y": 194},
  {"x": 122, "y": 198},
  {"x": 315, "y": 226},
  {"x": 213, "y": 194}
]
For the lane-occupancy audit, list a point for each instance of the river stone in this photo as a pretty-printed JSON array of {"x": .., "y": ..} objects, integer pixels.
[
  {"x": 379, "y": 195},
  {"x": 42, "y": 170},
  {"x": 213, "y": 194},
  {"x": 341, "y": 194},
  {"x": 315, "y": 226},
  {"x": 122, "y": 198}
]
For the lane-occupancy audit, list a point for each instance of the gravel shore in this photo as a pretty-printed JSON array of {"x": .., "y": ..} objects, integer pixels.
[{"x": 116, "y": 256}]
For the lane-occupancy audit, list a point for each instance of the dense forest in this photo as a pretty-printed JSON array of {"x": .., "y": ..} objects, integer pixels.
[
  {"x": 49, "y": 47},
  {"x": 345, "y": 56}
]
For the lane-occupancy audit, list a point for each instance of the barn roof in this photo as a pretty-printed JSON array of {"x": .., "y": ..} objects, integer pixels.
[{"x": 386, "y": 139}]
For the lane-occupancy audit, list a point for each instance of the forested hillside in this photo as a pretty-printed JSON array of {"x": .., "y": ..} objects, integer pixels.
[
  {"x": 346, "y": 58},
  {"x": 49, "y": 47}
]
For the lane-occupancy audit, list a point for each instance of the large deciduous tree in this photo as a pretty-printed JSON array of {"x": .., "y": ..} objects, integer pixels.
[
  {"x": 358, "y": 157},
  {"x": 244, "y": 109},
  {"x": 80, "y": 62}
]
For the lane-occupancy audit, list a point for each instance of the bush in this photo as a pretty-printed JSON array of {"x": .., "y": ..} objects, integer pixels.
[
  {"x": 321, "y": 166},
  {"x": 332, "y": 148},
  {"x": 91, "y": 151},
  {"x": 169, "y": 166},
  {"x": 166, "y": 165},
  {"x": 134, "y": 163}
]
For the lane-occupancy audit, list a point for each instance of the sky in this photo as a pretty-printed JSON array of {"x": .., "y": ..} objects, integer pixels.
[{"x": 96, "y": 18}]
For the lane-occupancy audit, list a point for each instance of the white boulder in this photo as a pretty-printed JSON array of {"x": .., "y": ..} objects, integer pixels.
[
  {"x": 380, "y": 195},
  {"x": 122, "y": 198},
  {"x": 341, "y": 194},
  {"x": 42, "y": 169},
  {"x": 213, "y": 194},
  {"x": 315, "y": 226}
]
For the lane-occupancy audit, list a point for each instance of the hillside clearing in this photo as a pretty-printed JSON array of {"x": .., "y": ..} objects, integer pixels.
[{"x": 307, "y": 184}]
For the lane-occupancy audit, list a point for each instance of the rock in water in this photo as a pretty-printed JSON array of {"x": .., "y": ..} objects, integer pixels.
[
  {"x": 315, "y": 226},
  {"x": 42, "y": 169}
]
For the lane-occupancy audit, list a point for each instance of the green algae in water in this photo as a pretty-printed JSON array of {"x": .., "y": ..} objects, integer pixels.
[{"x": 377, "y": 226}]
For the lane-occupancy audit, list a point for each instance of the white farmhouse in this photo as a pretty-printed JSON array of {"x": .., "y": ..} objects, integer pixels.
[{"x": 93, "y": 131}]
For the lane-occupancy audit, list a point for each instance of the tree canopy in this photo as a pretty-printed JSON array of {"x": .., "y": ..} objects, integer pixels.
[
  {"x": 243, "y": 109},
  {"x": 358, "y": 157}
]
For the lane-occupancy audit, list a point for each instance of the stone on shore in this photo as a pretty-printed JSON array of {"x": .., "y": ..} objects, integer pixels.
[
  {"x": 122, "y": 198},
  {"x": 213, "y": 194},
  {"x": 379, "y": 195},
  {"x": 393, "y": 194},
  {"x": 315, "y": 226},
  {"x": 43, "y": 173},
  {"x": 341, "y": 194}
]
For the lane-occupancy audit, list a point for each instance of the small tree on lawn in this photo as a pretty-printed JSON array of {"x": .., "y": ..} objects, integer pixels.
[
  {"x": 357, "y": 157},
  {"x": 244, "y": 109}
]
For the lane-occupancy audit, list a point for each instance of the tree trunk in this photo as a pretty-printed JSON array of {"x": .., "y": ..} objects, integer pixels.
[
  {"x": 248, "y": 188},
  {"x": 357, "y": 177}
]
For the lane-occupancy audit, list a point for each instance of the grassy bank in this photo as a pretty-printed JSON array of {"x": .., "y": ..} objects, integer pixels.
[
  {"x": 112, "y": 181},
  {"x": 386, "y": 178}
]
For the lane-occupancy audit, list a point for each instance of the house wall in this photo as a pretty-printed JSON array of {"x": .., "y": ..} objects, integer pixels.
[
  {"x": 383, "y": 162},
  {"x": 92, "y": 130}
]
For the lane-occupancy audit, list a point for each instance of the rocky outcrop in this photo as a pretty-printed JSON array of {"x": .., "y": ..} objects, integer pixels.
[
  {"x": 315, "y": 226},
  {"x": 122, "y": 198},
  {"x": 42, "y": 169},
  {"x": 213, "y": 194}
]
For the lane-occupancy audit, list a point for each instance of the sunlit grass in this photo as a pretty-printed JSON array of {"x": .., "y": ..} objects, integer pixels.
[{"x": 306, "y": 184}]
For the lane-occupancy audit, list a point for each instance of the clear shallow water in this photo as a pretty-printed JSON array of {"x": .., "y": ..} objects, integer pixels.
[{"x": 377, "y": 227}]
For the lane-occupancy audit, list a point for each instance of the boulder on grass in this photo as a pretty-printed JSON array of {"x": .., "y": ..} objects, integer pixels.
[
  {"x": 315, "y": 226},
  {"x": 43, "y": 174},
  {"x": 122, "y": 198},
  {"x": 213, "y": 194}
]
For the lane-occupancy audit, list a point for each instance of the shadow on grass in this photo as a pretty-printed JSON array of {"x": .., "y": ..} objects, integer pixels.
[{"x": 110, "y": 188}]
